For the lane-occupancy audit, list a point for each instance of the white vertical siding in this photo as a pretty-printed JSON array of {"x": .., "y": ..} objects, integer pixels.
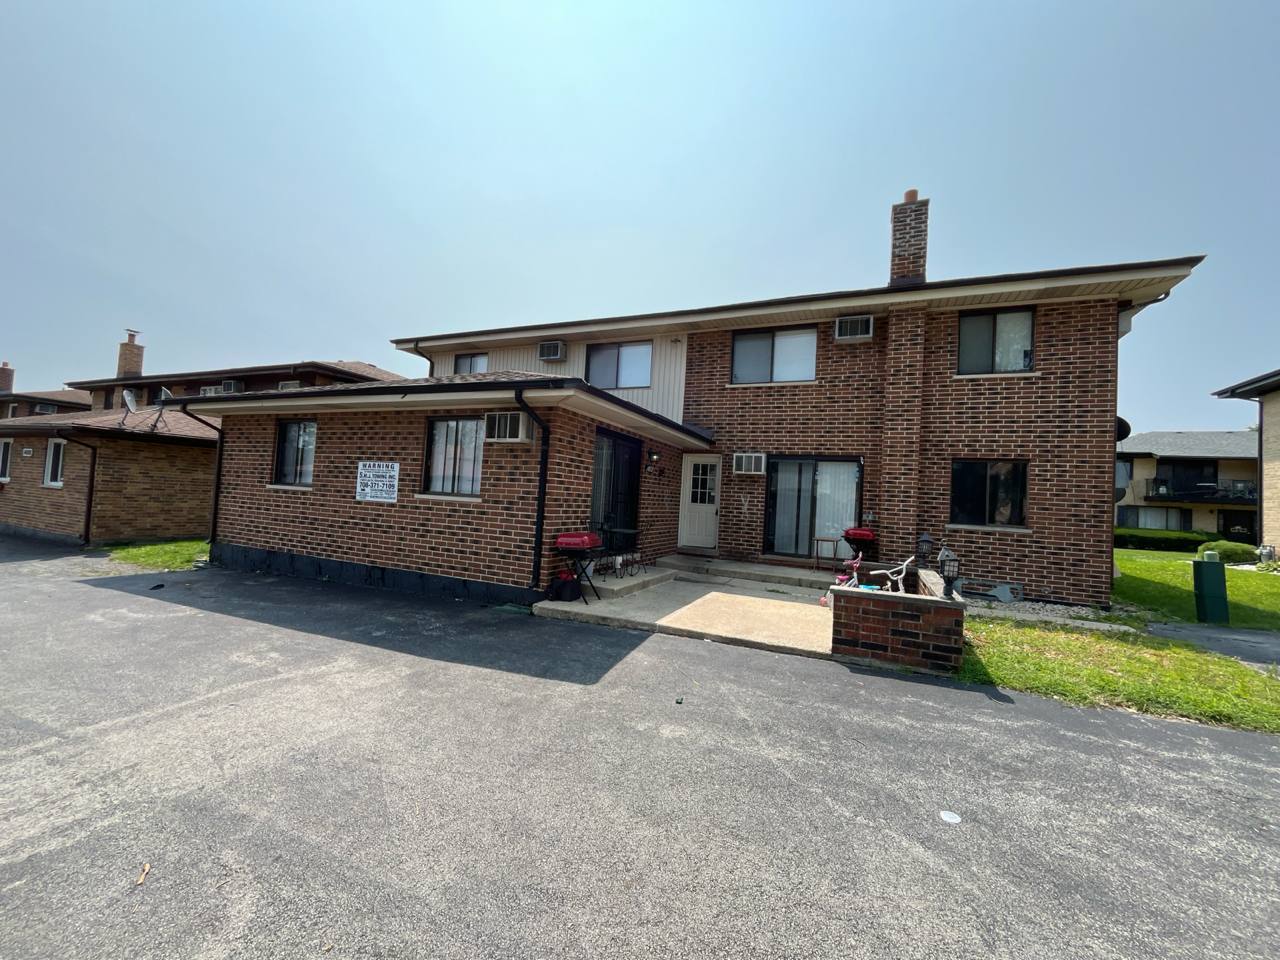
[{"x": 664, "y": 395}]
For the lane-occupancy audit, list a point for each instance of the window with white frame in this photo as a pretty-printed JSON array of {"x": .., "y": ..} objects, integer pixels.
[
  {"x": 503, "y": 427},
  {"x": 455, "y": 452},
  {"x": 45, "y": 408},
  {"x": 54, "y": 462},
  {"x": 210, "y": 391},
  {"x": 6, "y": 454},
  {"x": 1000, "y": 342},
  {"x": 775, "y": 356},
  {"x": 471, "y": 363},
  {"x": 13, "y": 410},
  {"x": 617, "y": 366}
]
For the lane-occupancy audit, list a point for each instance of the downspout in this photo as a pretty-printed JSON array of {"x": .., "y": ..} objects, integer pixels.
[
  {"x": 1262, "y": 503},
  {"x": 418, "y": 351},
  {"x": 93, "y": 474},
  {"x": 217, "y": 474},
  {"x": 544, "y": 456}
]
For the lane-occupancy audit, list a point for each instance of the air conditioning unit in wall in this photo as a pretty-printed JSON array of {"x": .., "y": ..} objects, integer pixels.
[
  {"x": 852, "y": 328},
  {"x": 505, "y": 427},
  {"x": 551, "y": 351},
  {"x": 751, "y": 464}
]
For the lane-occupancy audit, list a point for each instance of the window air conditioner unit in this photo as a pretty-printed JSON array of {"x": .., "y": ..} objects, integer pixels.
[
  {"x": 289, "y": 385},
  {"x": 232, "y": 386},
  {"x": 751, "y": 464},
  {"x": 551, "y": 351},
  {"x": 505, "y": 427},
  {"x": 853, "y": 328}
]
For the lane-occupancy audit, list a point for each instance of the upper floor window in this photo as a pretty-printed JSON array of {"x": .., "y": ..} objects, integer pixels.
[
  {"x": 54, "y": 463},
  {"x": 989, "y": 493},
  {"x": 996, "y": 342},
  {"x": 471, "y": 363},
  {"x": 455, "y": 452},
  {"x": 13, "y": 410},
  {"x": 295, "y": 452},
  {"x": 6, "y": 451},
  {"x": 45, "y": 408},
  {"x": 616, "y": 366},
  {"x": 775, "y": 356}
]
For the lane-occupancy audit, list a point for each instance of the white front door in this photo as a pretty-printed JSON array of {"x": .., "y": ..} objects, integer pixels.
[{"x": 700, "y": 501}]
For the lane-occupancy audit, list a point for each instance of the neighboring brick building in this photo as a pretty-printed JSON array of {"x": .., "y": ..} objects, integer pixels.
[
  {"x": 121, "y": 468},
  {"x": 981, "y": 411},
  {"x": 1203, "y": 480},
  {"x": 37, "y": 403},
  {"x": 1264, "y": 390},
  {"x": 106, "y": 476}
]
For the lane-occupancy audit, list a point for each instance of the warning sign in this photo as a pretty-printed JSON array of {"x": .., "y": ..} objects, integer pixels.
[{"x": 378, "y": 481}]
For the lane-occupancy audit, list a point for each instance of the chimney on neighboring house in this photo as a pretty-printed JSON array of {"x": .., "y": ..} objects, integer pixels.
[
  {"x": 129, "y": 363},
  {"x": 910, "y": 240},
  {"x": 6, "y": 377}
]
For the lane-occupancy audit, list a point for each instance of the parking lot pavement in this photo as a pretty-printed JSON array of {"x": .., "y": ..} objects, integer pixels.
[{"x": 308, "y": 767}]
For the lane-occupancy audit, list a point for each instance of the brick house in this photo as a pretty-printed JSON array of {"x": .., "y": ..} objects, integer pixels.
[
  {"x": 1189, "y": 480},
  {"x": 39, "y": 402},
  {"x": 118, "y": 467},
  {"x": 1264, "y": 390},
  {"x": 980, "y": 410}
]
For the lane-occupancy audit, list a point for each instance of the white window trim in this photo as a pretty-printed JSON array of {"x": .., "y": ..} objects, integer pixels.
[
  {"x": 48, "y": 462},
  {"x": 13, "y": 411},
  {"x": 7, "y": 460}
]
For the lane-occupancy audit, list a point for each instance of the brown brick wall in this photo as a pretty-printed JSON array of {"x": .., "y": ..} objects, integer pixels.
[
  {"x": 897, "y": 403},
  {"x": 28, "y": 505},
  {"x": 489, "y": 539},
  {"x": 151, "y": 491},
  {"x": 912, "y": 631},
  {"x": 841, "y": 414}
]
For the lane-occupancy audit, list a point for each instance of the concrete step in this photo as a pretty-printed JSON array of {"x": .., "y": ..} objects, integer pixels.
[
  {"x": 612, "y": 587},
  {"x": 711, "y": 570}
]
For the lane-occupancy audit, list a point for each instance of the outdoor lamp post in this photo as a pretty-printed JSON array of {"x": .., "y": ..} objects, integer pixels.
[
  {"x": 949, "y": 567},
  {"x": 924, "y": 549}
]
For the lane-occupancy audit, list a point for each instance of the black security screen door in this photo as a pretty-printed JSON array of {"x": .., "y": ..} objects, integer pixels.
[{"x": 615, "y": 489}]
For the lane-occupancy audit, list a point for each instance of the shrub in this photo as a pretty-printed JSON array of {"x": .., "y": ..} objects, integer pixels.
[
  {"x": 1229, "y": 551},
  {"x": 1185, "y": 541}
]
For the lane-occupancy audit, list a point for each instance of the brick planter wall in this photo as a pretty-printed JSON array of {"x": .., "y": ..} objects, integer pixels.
[{"x": 912, "y": 630}]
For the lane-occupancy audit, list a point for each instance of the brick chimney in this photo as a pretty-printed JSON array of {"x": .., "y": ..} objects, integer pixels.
[
  {"x": 129, "y": 363},
  {"x": 910, "y": 240},
  {"x": 6, "y": 377}
]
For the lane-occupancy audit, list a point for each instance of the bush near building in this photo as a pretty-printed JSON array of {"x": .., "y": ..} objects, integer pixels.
[{"x": 1182, "y": 541}]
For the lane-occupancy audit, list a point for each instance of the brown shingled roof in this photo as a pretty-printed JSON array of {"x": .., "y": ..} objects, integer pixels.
[{"x": 146, "y": 423}]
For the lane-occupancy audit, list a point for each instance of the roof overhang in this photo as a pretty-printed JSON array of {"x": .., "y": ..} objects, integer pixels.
[
  {"x": 82, "y": 430},
  {"x": 1135, "y": 285},
  {"x": 228, "y": 373},
  {"x": 1253, "y": 388},
  {"x": 575, "y": 396}
]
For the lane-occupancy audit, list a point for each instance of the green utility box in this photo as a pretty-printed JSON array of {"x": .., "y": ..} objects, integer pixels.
[{"x": 1210, "y": 578}]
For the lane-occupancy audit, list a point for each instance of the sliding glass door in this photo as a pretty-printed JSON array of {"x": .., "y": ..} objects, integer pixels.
[
  {"x": 809, "y": 498},
  {"x": 615, "y": 489}
]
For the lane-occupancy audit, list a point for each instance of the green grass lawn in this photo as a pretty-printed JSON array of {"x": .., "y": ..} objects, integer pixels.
[
  {"x": 174, "y": 555},
  {"x": 1093, "y": 668},
  {"x": 1160, "y": 582}
]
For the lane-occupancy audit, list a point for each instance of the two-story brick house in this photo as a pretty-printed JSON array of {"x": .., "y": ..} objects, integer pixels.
[
  {"x": 979, "y": 410},
  {"x": 117, "y": 466},
  {"x": 36, "y": 403}
]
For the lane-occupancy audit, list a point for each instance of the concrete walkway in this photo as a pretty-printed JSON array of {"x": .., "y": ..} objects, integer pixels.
[
  {"x": 778, "y": 617},
  {"x": 1258, "y": 648}
]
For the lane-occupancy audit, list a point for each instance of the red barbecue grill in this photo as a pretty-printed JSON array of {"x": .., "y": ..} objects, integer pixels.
[
  {"x": 580, "y": 548},
  {"x": 861, "y": 540}
]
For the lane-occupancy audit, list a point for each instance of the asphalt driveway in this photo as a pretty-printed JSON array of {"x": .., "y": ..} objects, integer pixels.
[{"x": 310, "y": 768}]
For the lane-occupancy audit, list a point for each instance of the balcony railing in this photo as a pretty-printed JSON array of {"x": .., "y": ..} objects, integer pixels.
[{"x": 1223, "y": 491}]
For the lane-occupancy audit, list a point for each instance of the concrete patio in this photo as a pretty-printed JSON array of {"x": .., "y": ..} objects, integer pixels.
[{"x": 750, "y": 604}]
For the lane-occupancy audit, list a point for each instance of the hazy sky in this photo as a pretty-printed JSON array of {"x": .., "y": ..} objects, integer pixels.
[{"x": 257, "y": 182}]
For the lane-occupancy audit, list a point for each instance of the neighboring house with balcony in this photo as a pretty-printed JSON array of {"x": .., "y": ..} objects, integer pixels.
[
  {"x": 1190, "y": 480},
  {"x": 745, "y": 431},
  {"x": 1264, "y": 390},
  {"x": 36, "y": 403},
  {"x": 119, "y": 467}
]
